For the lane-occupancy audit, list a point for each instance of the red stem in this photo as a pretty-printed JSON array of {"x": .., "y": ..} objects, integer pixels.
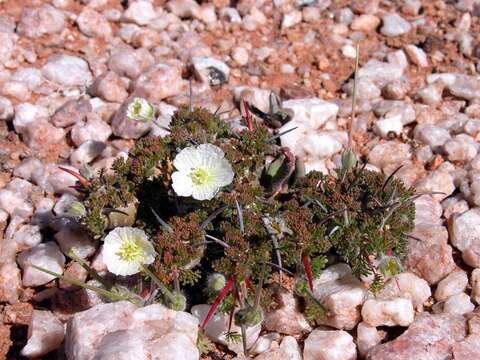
[
  {"x": 83, "y": 180},
  {"x": 308, "y": 271},
  {"x": 221, "y": 295},
  {"x": 249, "y": 284},
  {"x": 248, "y": 115}
]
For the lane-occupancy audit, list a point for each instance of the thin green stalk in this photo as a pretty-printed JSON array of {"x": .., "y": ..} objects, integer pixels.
[
  {"x": 244, "y": 339},
  {"x": 89, "y": 269},
  {"x": 241, "y": 301},
  {"x": 163, "y": 289},
  {"x": 278, "y": 255},
  {"x": 258, "y": 293},
  {"x": 354, "y": 97},
  {"x": 114, "y": 296}
]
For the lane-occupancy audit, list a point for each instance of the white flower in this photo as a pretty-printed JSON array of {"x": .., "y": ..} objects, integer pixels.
[
  {"x": 126, "y": 249},
  {"x": 141, "y": 110},
  {"x": 202, "y": 171}
]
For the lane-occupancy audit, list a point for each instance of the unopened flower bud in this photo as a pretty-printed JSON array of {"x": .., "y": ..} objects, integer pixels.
[
  {"x": 77, "y": 209},
  {"x": 349, "y": 160}
]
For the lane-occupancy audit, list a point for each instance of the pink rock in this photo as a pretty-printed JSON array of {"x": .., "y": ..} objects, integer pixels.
[
  {"x": 394, "y": 312},
  {"x": 183, "y": 8},
  {"x": 94, "y": 129},
  {"x": 329, "y": 345},
  {"x": 467, "y": 349},
  {"x": 122, "y": 331},
  {"x": 93, "y": 24},
  {"x": 67, "y": 70},
  {"x": 71, "y": 112},
  {"x": 160, "y": 81},
  {"x": 389, "y": 154},
  {"x": 430, "y": 337},
  {"x": 8, "y": 43},
  {"x": 429, "y": 257},
  {"x": 437, "y": 181},
  {"x": 140, "y": 12},
  {"x": 45, "y": 334},
  {"x": 455, "y": 283},
  {"x": 15, "y": 89},
  {"x": 40, "y": 134},
  {"x": 287, "y": 318},
  {"x": 427, "y": 211},
  {"x": 38, "y": 21},
  {"x": 46, "y": 255},
  {"x": 109, "y": 87},
  {"x": 129, "y": 62},
  {"x": 366, "y": 23},
  {"x": 367, "y": 338},
  {"x": 342, "y": 295},
  {"x": 408, "y": 286},
  {"x": 10, "y": 282}
]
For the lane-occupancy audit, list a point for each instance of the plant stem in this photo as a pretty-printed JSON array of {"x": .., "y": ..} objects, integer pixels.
[
  {"x": 279, "y": 257},
  {"x": 354, "y": 98},
  {"x": 90, "y": 270},
  {"x": 244, "y": 339},
  {"x": 176, "y": 281},
  {"x": 221, "y": 295},
  {"x": 241, "y": 299},
  {"x": 308, "y": 270},
  {"x": 114, "y": 296},
  {"x": 258, "y": 293},
  {"x": 163, "y": 289}
]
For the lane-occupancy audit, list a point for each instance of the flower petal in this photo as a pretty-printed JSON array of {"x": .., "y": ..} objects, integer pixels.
[
  {"x": 223, "y": 173},
  {"x": 211, "y": 150},
  {"x": 186, "y": 159},
  {"x": 182, "y": 183},
  {"x": 205, "y": 192}
]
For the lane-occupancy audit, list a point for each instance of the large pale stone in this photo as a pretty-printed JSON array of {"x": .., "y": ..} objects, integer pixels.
[
  {"x": 395, "y": 312},
  {"x": 455, "y": 283},
  {"x": 160, "y": 81},
  {"x": 45, "y": 255},
  {"x": 329, "y": 345},
  {"x": 67, "y": 70},
  {"x": 122, "y": 331},
  {"x": 45, "y": 334},
  {"x": 342, "y": 295},
  {"x": 287, "y": 317},
  {"x": 429, "y": 255},
  {"x": 430, "y": 337},
  {"x": 408, "y": 286}
]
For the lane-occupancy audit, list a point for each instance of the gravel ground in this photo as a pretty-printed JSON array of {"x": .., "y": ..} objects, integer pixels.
[{"x": 68, "y": 70}]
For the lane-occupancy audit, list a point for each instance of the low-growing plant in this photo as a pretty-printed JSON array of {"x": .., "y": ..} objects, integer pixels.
[
  {"x": 234, "y": 212},
  {"x": 205, "y": 199}
]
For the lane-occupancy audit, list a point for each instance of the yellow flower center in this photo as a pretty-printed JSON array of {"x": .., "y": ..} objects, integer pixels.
[
  {"x": 130, "y": 251},
  {"x": 137, "y": 108},
  {"x": 200, "y": 176}
]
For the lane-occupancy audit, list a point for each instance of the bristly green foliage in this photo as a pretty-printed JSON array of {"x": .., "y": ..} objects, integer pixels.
[
  {"x": 364, "y": 216},
  {"x": 268, "y": 219}
]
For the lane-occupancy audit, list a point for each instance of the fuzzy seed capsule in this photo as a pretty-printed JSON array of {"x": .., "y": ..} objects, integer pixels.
[
  {"x": 216, "y": 282},
  {"x": 178, "y": 303},
  {"x": 248, "y": 316}
]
